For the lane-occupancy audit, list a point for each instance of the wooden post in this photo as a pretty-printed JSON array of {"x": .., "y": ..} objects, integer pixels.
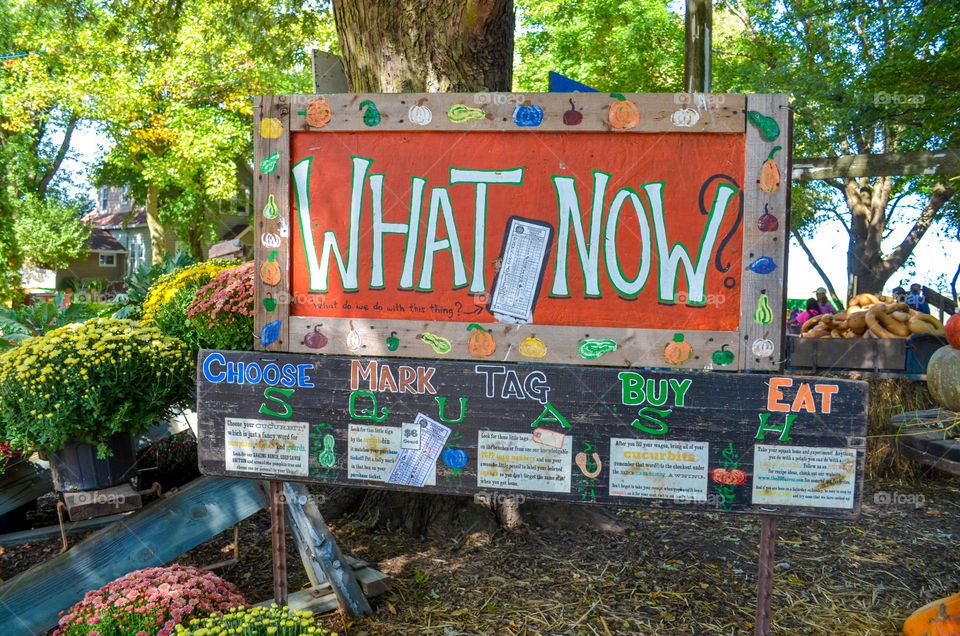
[
  {"x": 768, "y": 536},
  {"x": 278, "y": 534},
  {"x": 324, "y": 559},
  {"x": 696, "y": 62}
]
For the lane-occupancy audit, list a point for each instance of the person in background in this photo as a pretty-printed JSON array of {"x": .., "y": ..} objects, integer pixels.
[
  {"x": 825, "y": 306},
  {"x": 916, "y": 300},
  {"x": 899, "y": 295},
  {"x": 813, "y": 309}
]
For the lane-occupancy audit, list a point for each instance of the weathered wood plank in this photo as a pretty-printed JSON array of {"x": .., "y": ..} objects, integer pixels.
[
  {"x": 642, "y": 438},
  {"x": 47, "y": 533},
  {"x": 925, "y": 162},
  {"x": 713, "y": 113},
  {"x": 324, "y": 557},
  {"x": 762, "y": 293},
  {"x": 30, "y": 602}
]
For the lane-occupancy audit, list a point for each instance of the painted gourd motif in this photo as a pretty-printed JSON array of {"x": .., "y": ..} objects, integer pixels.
[
  {"x": 532, "y": 347},
  {"x": 270, "y": 128},
  {"x": 733, "y": 477},
  {"x": 315, "y": 339},
  {"x": 393, "y": 341},
  {"x": 767, "y": 222},
  {"x": 763, "y": 314},
  {"x": 420, "y": 114},
  {"x": 353, "y": 339},
  {"x": 460, "y": 113},
  {"x": 270, "y": 210},
  {"x": 371, "y": 116},
  {"x": 766, "y": 126},
  {"x": 270, "y": 270},
  {"x": 572, "y": 117},
  {"x": 270, "y": 333},
  {"x": 527, "y": 115},
  {"x": 763, "y": 265},
  {"x": 678, "y": 351},
  {"x": 318, "y": 113},
  {"x": 769, "y": 174},
  {"x": 454, "y": 457},
  {"x": 594, "y": 348},
  {"x": 439, "y": 344},
  {"x": 481, "y": 342},
  {"x": 623, "y": 114},
  {"x": 269, "y": 163}
]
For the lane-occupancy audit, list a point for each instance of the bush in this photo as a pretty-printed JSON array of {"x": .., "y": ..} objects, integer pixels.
[
  {"x": 255, "y": 621},
  {"x": 166, "y": 304},
  {"x": 90, "y": 381},
  {"x": 151, "y": 602},
  {"x": 222, "y": 310}
]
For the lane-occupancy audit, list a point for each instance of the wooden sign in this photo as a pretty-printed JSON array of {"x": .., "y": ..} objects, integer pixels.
[
  {"x": 744, "y": 443},
  {"x": 582, "y": 228}
]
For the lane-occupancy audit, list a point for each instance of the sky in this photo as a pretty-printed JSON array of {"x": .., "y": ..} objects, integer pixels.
[{"x": 934, "y": 257}]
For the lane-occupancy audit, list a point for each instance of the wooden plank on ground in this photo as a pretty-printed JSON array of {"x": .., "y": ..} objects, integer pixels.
[
  {"x": 31, "y": 601},
  {"x": 321, "y": 599},
  {"x": 23, "y": 482},
  {"x": 36, "y": 535}
]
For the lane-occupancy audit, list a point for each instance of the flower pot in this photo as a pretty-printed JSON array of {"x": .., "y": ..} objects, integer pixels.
[{"x": 77, "y": 467}]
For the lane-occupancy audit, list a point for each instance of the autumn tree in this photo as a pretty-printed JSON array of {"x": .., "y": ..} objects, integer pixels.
[{"x": 866, "y": 77}]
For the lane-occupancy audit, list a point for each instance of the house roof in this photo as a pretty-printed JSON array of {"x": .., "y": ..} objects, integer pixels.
[
  {"x": 103, "y": 241},
  {"x": 116, "y": 220}
]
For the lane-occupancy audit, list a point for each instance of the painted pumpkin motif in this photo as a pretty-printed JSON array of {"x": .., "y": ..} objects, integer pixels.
[
  {"x": 769, "y": 180},
  {"x": 723, "y": 356},
  {"x": 455, "y": 458},
  {"x": 420, "y": 114},
  {"x": 481, "y": 342},
  {"x": 685, "y": 117},
  {"x": 678, "y": 351},
  {"x": 726, "y": 477},
  {"x": 532, "y": 347},
  {"x": 270, "y": 272},
  {"x": 762, "y": 347},
  {"x": 527, "y": 115},
  {"x": 270, "y": 128},
  {"x": 623, "y": 114},
  {"x": 318, "y": 113},
  {"x": 767, "y": 222},
  {"x": 315, "y": 339},
  {"x": 393, "y": 341},
  {"x": 270, "y": 303}
]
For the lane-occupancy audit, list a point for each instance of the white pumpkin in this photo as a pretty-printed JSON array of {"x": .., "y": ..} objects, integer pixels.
[
  {"x": 685, "y": 117},
  {"x": 354, "y": 342},
  {"x": 763, "y": 347},
  {"x": 420, "y": 114}
]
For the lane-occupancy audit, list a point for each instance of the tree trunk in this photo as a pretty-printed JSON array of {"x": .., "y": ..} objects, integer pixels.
[
  {"x": 404, "y": 46},
  {"x": 437, "y": 46},
  {"x": 154, "y": 225}
]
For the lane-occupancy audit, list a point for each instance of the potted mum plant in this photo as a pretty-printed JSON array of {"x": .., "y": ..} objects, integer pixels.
[{"x": 78, "y": 394}]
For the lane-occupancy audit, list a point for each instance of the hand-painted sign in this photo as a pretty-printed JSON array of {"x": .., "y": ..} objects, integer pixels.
[
  {"x": 625, "y": 224},
  {"x": 750, "y": 443}
]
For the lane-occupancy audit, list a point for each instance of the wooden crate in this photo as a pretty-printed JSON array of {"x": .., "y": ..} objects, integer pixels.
[{"x": 866, "y": 354}]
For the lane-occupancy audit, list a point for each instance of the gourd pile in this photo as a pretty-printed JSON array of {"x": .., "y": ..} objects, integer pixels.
[{"x": 871, "y": 317}]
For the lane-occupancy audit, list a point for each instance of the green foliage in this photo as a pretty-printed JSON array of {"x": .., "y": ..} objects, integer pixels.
[
  {"x": 49, "y": 231},
  {"x": 90, "y": 381},
  {"x": 35, "y": 320},
  {"x": 139, "y": 283},
  {"x": 610, "y": 45}
]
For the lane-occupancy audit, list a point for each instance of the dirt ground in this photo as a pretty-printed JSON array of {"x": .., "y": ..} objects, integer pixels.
[{"x": 625, "y": 571}]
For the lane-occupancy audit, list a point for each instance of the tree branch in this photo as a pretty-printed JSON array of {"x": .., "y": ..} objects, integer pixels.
[
  {"x": 58, "y": 159},
  {"x": 816, "y": 266},
  {"x": 938, "y": 196}
]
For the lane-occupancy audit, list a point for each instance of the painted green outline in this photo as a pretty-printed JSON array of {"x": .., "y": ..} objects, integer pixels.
[
  {"x": 417, "y": 187},
  {"x": 376, "y": 210},
  {"x": 434, "y": 245},
  {"x": 596, "y": 230},
  {"x": 646, "y": 257}
]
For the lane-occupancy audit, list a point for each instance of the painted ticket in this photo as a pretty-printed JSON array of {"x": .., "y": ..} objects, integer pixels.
[
  {"x": 414, "y": 466},
  {"x": 523, "y": 260}
]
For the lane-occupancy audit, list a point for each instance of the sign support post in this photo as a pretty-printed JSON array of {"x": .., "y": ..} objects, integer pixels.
[
  {"x": 768, "y": 537},
  {"x": 278, "y": 535}
]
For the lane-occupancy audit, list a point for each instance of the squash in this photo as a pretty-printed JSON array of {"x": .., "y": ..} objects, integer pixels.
[
  {"x": 532, "y": 347},
  {"x": 678, "y": 351},
  {"x": 315, "y": 339},
  {"x": 354, "y": 343},
  {"x": 591, "y": 348},
  {"x": 439, "y": 344},
  {"x": 460, "y": 113},
  {"x": 269, "y": 163},
  {"x": 767, "y": 222},
  {"x": 420, "y": 114},
  {"x": 572, "y": 117},
  {"x": 527, "y": 115},
  {"x": 270, "y": 210},
  {"x": 762, "y": 347},
  {"x": 455, "y": 458},
  {"x": 481, "y": 342},
  {"x": 938, "y": 617},
  {"x": 769, "y": 180},
  {"x": 685, "y": 117},
  {"x": 953, "y": 331},
  {"x": 763, "y": 314},
  {"x": 270, "y": 270},
  {"x": 766, "y": 126},
  {"x": 623, "y": 113},
  {"x": 943, "y": 377},
  {"x": 318, "y": 113},
  {"x": 270, "y": 128}
]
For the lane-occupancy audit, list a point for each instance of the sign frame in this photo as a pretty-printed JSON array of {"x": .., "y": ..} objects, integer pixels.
[{"x": 757, "y": 343}]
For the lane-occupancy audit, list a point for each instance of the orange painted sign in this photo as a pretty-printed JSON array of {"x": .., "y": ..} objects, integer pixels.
[{"x": 638, "y": 231}]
